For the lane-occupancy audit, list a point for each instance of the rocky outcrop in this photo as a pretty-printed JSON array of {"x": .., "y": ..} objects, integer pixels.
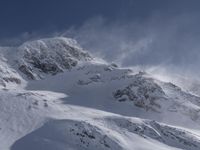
[
  {"x": 8, "y": 76},
  {"x": 143, "y": 92},
  {"x": 49, "y": 56}
]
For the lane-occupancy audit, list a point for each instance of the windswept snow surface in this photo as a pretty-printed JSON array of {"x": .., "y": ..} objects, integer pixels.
[{"x": 56, "y": 96}]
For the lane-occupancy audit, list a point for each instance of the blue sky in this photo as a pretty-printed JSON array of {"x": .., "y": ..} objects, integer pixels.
[
  {"x": 30, "y": 16},
  {"x": 130, "y": 32}
]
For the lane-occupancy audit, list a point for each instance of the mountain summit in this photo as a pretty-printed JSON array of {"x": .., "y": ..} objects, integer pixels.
[{"x": 50, "y": 56}]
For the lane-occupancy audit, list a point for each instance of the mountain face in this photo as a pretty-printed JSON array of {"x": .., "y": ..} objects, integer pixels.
[
  {"x": 57, "y": 96},
  {"x": 49, "y": 56}
]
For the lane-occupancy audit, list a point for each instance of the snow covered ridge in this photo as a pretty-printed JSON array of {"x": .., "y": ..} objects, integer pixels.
[
  {"x": 49, "y": 56},
  {"x": 143, "y": 92},
  {"x": 77, "y": 134},
  {"x": 153, "y": 95},
  {"x": 169, "y": 135},
  {"x": 56, "y": 96}
]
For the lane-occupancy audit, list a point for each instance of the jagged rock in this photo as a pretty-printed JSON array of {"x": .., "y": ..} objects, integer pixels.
[
  {"x": 8, "y": 76},
  {"x": 49, "y": 56},
  {"x": 27, "y": 71},
  {"x": 142, "y": 91}
]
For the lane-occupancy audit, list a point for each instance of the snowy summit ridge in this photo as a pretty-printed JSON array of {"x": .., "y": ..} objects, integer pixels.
[
  {"x": 50, "y": 56},
  {"x": 56, "y": 96}
]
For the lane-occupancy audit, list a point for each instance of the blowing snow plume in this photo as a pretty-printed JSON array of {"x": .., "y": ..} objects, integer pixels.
[{"x": 161, "y": 44}]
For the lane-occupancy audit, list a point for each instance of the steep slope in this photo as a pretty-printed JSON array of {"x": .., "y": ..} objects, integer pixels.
[
  {"x": 9, "y": 77},
  {"x": 55, "y": 95}
]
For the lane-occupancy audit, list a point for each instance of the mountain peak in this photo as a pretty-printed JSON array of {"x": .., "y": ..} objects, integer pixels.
[
  {"x": 49, "y": 56},
  {"x": 52, "y": 41}
]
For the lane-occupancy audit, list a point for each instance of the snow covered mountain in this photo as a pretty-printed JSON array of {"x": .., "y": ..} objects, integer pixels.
[{"x": 54, "y": 95}]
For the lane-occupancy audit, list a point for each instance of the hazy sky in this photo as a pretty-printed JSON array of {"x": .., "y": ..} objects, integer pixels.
[
  {"x": 130, "y": 32},
  {"x": 51, "y": 15}
]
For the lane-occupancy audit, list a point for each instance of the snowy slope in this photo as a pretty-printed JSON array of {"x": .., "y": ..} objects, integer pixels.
[{"x": 55, "y": 95}]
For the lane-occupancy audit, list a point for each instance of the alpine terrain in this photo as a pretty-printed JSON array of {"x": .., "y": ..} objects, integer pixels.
[{"x": 54, "y": 95}]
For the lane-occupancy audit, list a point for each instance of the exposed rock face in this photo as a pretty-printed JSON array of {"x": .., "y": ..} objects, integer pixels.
[
  {"x": 143, "y": 92},
  {"x": 50, "y": 56},
  {"x": 8, "y": 76}
]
